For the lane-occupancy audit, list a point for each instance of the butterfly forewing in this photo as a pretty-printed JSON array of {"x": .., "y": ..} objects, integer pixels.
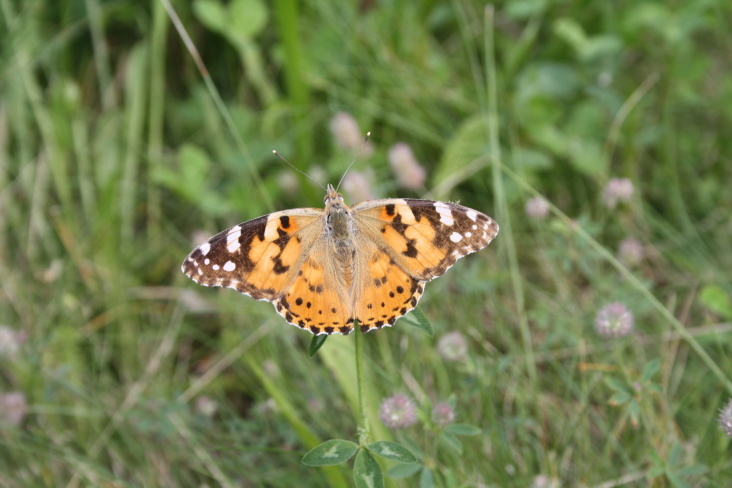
[
  {"x": 260, "y": 257},
  {"x": 425, "y": 237}
]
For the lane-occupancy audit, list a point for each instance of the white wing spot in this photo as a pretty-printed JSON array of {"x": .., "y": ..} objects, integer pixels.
[
  {"x": 472, "y": 215},
  {"x": 233, "y": 246},
  {"x": 205, "y": 248},
  {"x": 232, "y": 239},
  {"x": 206, "y": 261},
  {"x": 234, "y": 233},
  {"x": 475, "y": 227},
  {"x": 468, "y": 234},
  {"x": 215, "y": 267},
  {"x": 229, "y": 266},
  {"x": 455, "y": 237},
  {"x": 445, "y": 213},
  {"x": 200, "y": 271}
]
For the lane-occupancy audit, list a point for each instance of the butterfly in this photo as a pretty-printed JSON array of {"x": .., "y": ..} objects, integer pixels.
[{"x": 325, "y": 269}]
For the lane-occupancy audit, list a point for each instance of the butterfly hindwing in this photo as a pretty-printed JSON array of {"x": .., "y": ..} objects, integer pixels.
[
  {"x": 387, "y": 292},
  {"x": 316, "y": 301}
]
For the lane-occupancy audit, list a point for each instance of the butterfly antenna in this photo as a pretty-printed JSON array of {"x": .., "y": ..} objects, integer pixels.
[
  {"x": 365, "y": 140},
  {"x": 298, "y": 170}
]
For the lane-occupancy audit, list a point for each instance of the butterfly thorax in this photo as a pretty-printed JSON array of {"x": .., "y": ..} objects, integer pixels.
[{"x": 341, "y": 232}]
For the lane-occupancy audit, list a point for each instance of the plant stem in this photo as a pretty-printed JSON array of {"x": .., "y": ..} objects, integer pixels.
[{"x": 364, "y": 433}]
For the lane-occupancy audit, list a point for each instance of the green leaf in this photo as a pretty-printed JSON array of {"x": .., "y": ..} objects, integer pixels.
[
  {"x": 426, "y": 480},
  {"x": 190, "y": 180},
  {"x": 418, "y": 319},
  {"x": 190, "y": 177},
  {"x": 619, "y": 398},
  {"x": 463, "y": 429},
  {"x": 587, "y": 48},
  {"x": 399, "y": 471},
  {"x": 392, "y": 451},
  {"x": 586, "y": 156},
  {"x": 468, "y": 143},
  {"x": 334, "y": 451},
  {"x": 651, "y": 369},
  {"x": 674, "y": 455},
  {"x": 571, "y": 32},
  {"x": 716, "y": 299},
  {"x": 616, "y": 385},
  {"x": 452, "y": 441},
  {"x": 247, "y": 18},
  {"x": 212, "y": 14},
  {"x": 413, "y": 446},
  {"x": 366, "y": 471},
  {"x": 316, "y": 343},
  {"x": 548, "y": 79}
]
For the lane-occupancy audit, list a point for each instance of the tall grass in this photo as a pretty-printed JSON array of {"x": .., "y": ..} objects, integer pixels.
[{"x": 116, "y": 155}]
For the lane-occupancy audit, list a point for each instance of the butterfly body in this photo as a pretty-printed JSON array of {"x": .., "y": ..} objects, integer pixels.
[{"x": 323, "y": 269}]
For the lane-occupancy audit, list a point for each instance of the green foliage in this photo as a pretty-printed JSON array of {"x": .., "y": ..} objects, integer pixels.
[
  {"x": 717, "y": 300},
  {"x": 116, "y": 158},
  {"x": 675, "y": 469},
  {"x": 635, "y": 394},
  {"x": 392, "y": 451},
  {"x": 419, "y": 320},
  {"x": 366, "y": 471},
  {"x": 329, "y": 453},
  {"x": 316, "y": 343}
]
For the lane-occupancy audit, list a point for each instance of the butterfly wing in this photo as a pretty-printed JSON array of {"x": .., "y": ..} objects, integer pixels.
[
  {"x": 424, "y": 237},
  {"x": 387, "y": 291},
  {"x": 318, "y": 299},
  {"x": 259, "y": 258},
  {"x": 414, "y": 241},
  {"x": 285, "y": 257}
]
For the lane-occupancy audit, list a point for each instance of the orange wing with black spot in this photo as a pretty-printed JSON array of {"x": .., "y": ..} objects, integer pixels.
[
  {"x": 317, "y": 300},
  {"x": 416, "y": 241},
  {"x": 259, "y": 258},
  {"x": 425, "y": 237},
  {"x": 387, "y": 293}
]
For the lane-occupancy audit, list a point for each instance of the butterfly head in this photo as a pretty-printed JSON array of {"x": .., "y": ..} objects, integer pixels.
[{"x": 332, "y": 197}]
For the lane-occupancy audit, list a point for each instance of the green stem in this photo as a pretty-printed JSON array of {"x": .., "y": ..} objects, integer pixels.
[{"x": 363, "y": 430}]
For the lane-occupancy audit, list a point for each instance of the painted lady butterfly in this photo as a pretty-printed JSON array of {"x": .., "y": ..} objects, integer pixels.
[{"x": 323, "y": 269}]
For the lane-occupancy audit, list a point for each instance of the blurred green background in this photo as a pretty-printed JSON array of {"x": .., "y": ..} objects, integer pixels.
[{"x": 117, "y": 157}]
